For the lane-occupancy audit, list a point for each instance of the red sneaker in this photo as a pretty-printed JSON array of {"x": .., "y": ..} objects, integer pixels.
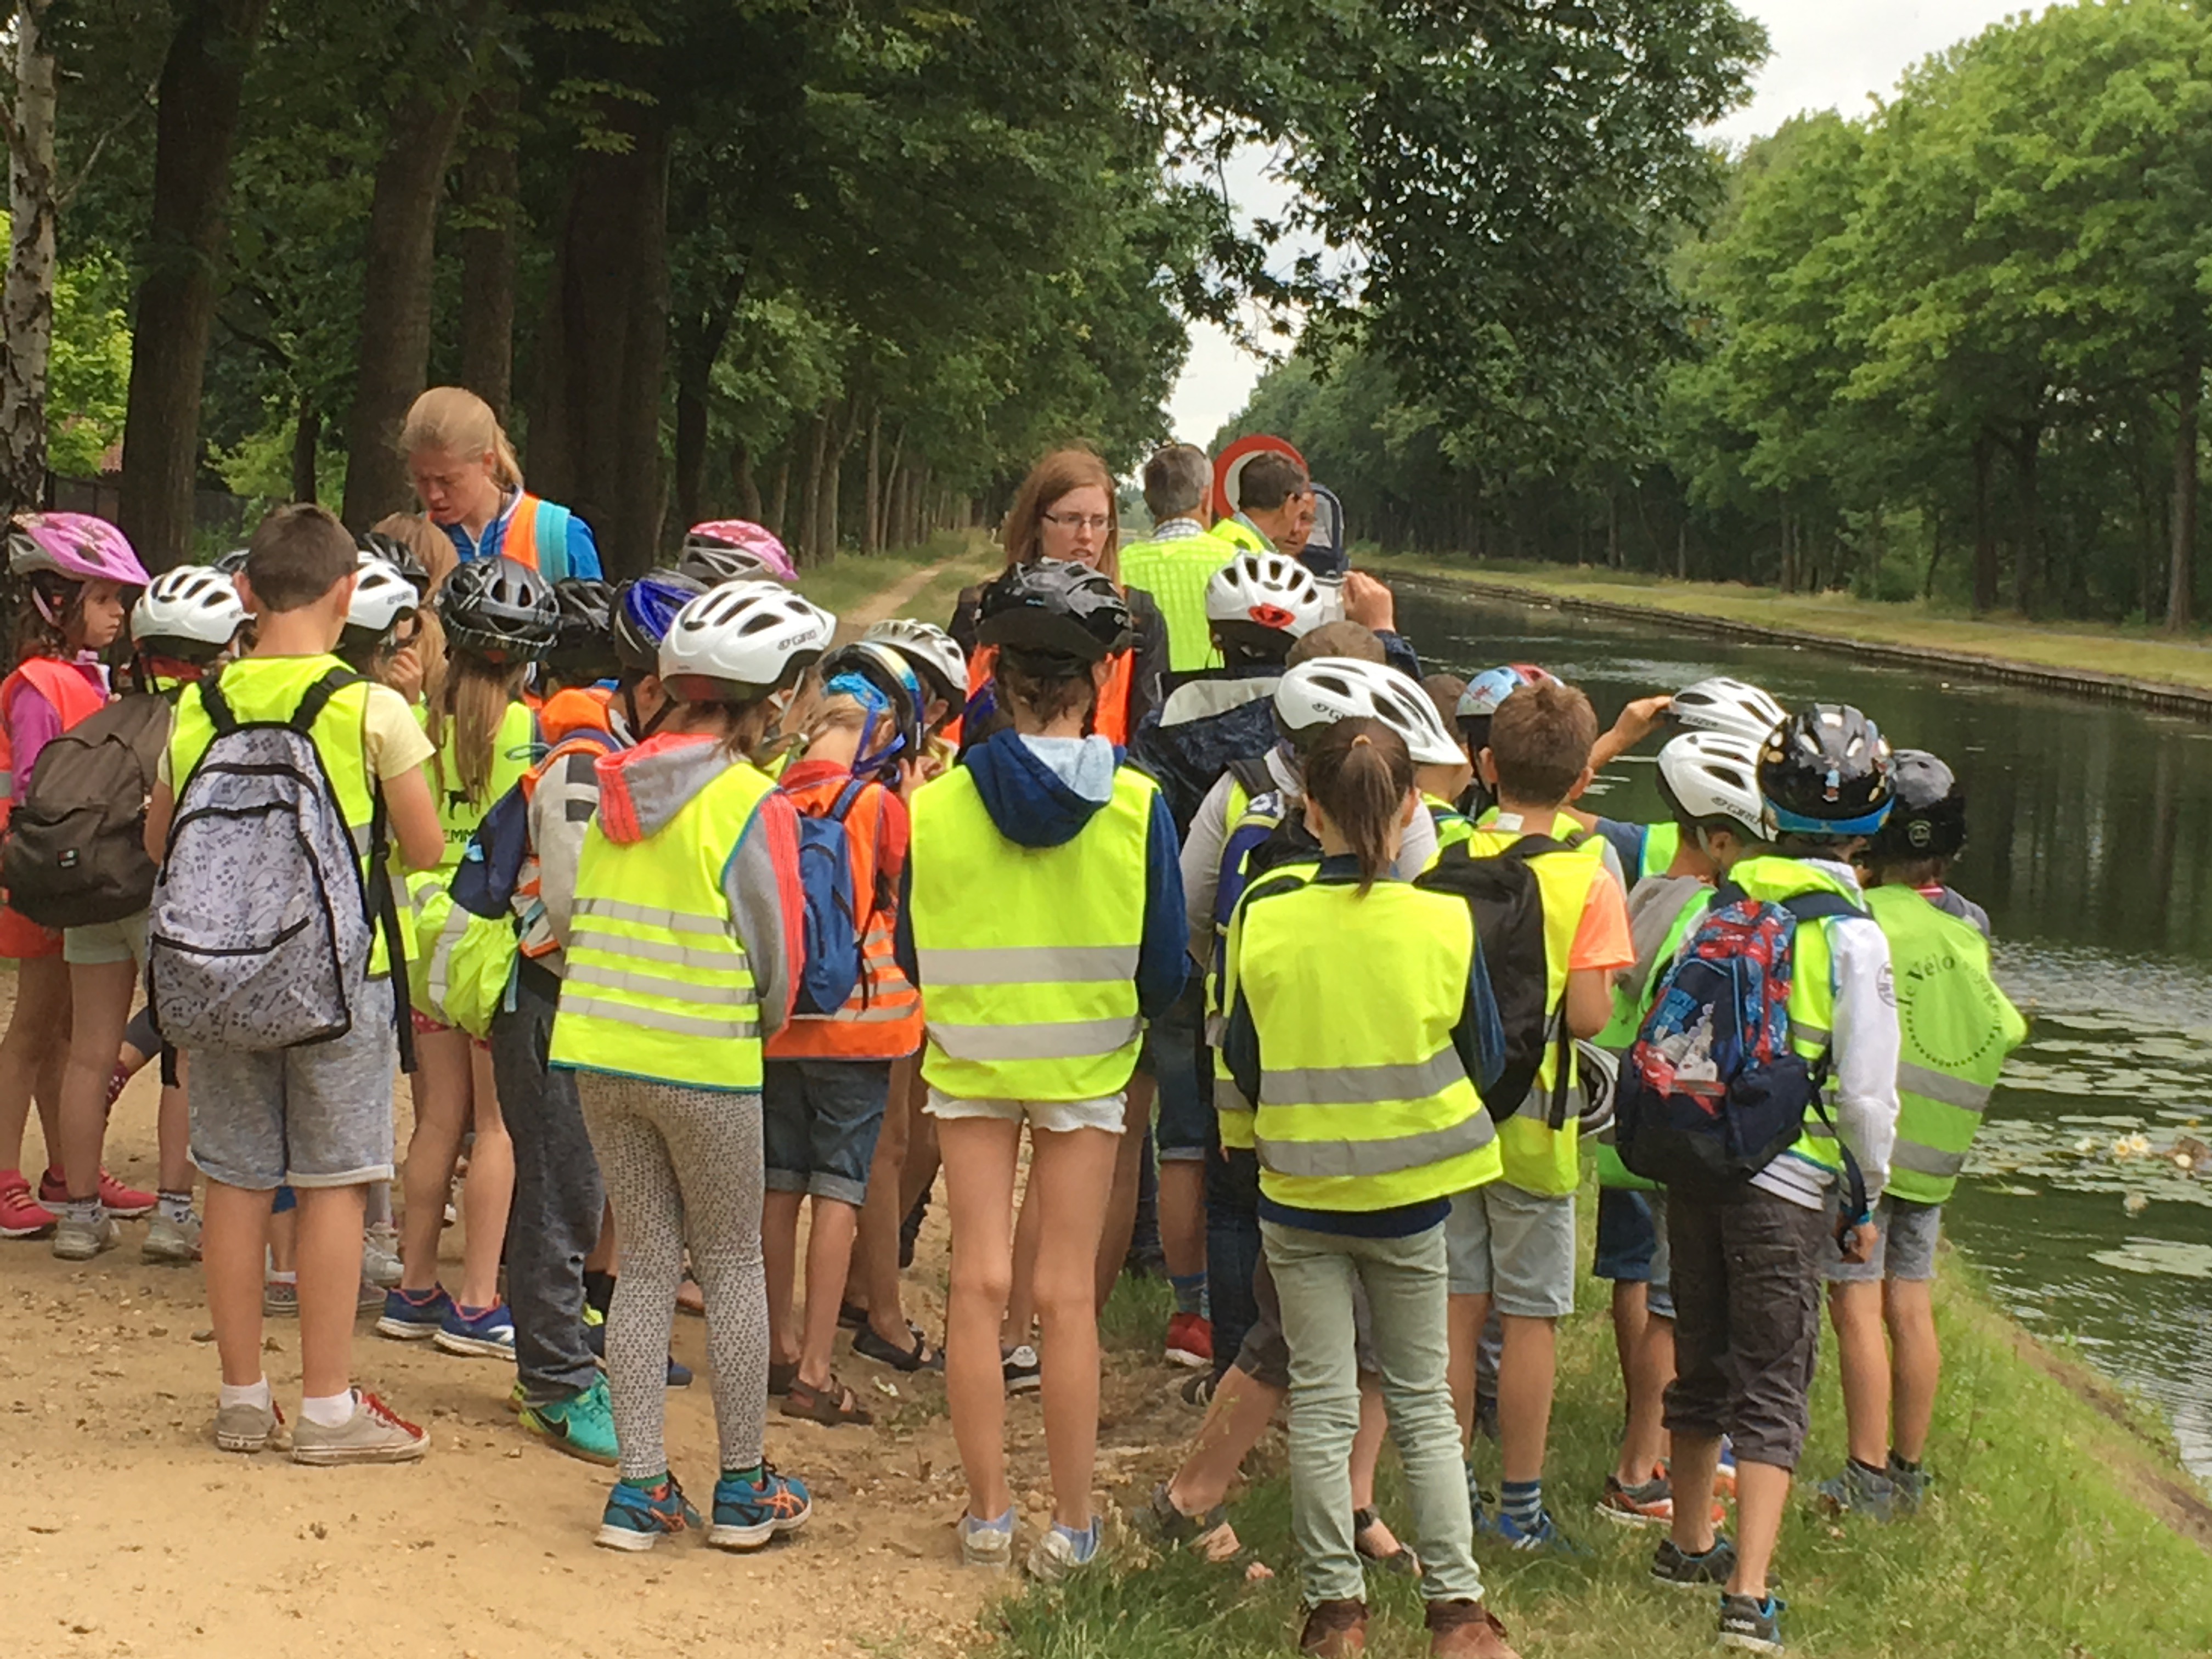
[
  {"x": 124, "y": 1203},
  {"x": 21, "y": 1215},
  {"x": 1190, "y": 1341}
]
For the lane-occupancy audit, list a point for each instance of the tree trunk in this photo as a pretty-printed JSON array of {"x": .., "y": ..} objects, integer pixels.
[
  {"x": 307, "y": 443},
  {"x": 1682, "y": 552},
  {"x": 393, "y": 364},
  {"x": 1935, "y": 552},
  {"x": 741, "y": 477},
  {"x": 1613, "y": 530},
  {"x": 803, "y": 544},
  {"x": 871, "y": 530},
  {"x": 28, "y": 303},
  {"x": 700, "y": 338},
  {"x": 2027, "y": 558},
  {"x": 1985, "y": 536},
  {"x": 202, "y": 79},
  {"x": 2181, "y": 565},
  {"x": 489, "y": 184},
  {"x": 780, "y": 496}
]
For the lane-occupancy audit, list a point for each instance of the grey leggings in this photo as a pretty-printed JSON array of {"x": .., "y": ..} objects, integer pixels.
[{"x": 682, "y": 1166}]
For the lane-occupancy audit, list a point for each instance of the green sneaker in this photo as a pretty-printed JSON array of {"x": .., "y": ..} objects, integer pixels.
[{"x": 582, "y": 1425}]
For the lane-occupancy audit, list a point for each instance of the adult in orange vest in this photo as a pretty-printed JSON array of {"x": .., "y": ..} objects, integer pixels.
[{"x": 470, "y": 484}]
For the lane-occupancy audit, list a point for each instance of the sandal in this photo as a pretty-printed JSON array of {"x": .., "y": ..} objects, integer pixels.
[
  {"x": 1400, "y": 1560},
  {"x": 922, "y": 1356},
  {"x": 834, "y": 1407},
  {"x": 852, "y": 1318}
]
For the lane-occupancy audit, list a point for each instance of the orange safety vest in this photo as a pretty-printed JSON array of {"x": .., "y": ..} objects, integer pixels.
[
  {"x": 1111, "y": 720},
  {"x": 75, "y": 698}
]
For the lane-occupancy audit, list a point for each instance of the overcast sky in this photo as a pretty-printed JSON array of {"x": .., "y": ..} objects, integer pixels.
[{"x": 1827, "y": 54}]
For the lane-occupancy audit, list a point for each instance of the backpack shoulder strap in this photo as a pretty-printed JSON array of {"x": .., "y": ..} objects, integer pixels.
[
  {"x": 217, "y": 706},
  {"x": 1253, "y": 772},
  {"x": 1821, "y": 905},
  {"x": 317, "y": 697}
]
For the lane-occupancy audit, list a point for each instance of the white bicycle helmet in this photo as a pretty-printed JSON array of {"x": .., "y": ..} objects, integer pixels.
[
  {"x": 382, "y": 596},
  {"x": 1269, "y": 591},
  {"x": 933, "y": 654},
  {"x": 189, "y": 604},
  {"x": 1326, "y": 690},
  {"x": 741, "y": 641},
  {"x": 1713, "y": 774},
  {"x": 1598, "y": 1071},
  {"x": 1721, "y": 704}
]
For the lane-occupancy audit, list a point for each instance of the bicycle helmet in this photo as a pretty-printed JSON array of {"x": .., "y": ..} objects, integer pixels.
[
  {"x": 382, "y": 596},
  {"x": 730, "y": 550},
  {"x": 1824, "y": 772},
  {"x": 931, "y": 652},
  {"x": 498, "y": 610},
  {"x": 641, "y": 613},
  {"x": 1493, "y": 685},
  {"x": 191, "y": 610},
  {"x": 1721, "y": 704},
  {"x": 398, "y": 552},
  {"x": 74, "y": 546},
  {"x": 1598, "y": 1071},
  {"x": 742, "y": 642},
  {"x": 1055, "y": 608},
  {"x": 231, "y": 562},
  {"x": 884, "y": 682},
  {"x": 1712, "y": 774},
  {"x": 583, "y": 648},
  {"x": 1268, "y": 590},
  {"x": 1320, "y": 693},
  {"x": 1928, "y": 816}
]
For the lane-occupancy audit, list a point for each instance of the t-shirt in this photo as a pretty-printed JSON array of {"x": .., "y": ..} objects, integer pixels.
[
  {"x": 1601, "y": 937},
  {"x": 391, "y": 737}
]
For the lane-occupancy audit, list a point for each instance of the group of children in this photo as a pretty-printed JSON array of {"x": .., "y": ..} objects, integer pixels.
[{"x": 687, "y": 920}]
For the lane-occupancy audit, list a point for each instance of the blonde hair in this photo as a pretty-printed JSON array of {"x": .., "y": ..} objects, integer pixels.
[
  {"x": 454, "y": 419},
  {"x": 474, "y": 702},
  {"x": 838, "y": 713}
]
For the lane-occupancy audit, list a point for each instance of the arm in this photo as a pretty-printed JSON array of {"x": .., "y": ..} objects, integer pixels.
[
  {"x": 1161, "y": 952},
  {"x": 909, "y": 959},
  {"x": 413, "y": 812},
  {"x": 1603, "y": 946},
  {"x": 1202, "y": 868},
  {"x": 583, "y": 550},
  {"x": 1417, "y": 848},
  {"x": 33, "y": 723},
  {"x": 1866, "y": 1047},
  {"x": 1399, "y": 654},
  {"x": 560, "y": 812},
  {"x": 159, "y": 806},
  {"x": 768, "y": 909},
  {"x": 1638, "y": 722},
  {"x": 1589, "y": 1000},
  {"x": 1240, "y": 1050}
]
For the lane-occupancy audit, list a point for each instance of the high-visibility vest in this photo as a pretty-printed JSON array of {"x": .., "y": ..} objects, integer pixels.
[
  {"x": 1660, "y": 842},
  {"x": 1774, "y": 880},
  {"x": 536, "y": 533},
  {"x": 1175, "y": 574},
  {"x": 1364, "y": 1103},
  {"x": 657, "y": 985},
  {"x": 1233, "y": 1114},
  {"x": 1111, "y": 718},
  {"x": 1028, "y": 954},
  {"x": 1629, "y": 1010},
  {"x": 1454, "y": 827},
  {"x": 1241, "y": 537},
  {"x": 74, "y": 698},
  {"x": 882, "y": 1018},
  {"x": 1956, "y": 1028},
  {"x": 514, "y": 751},
  {"x": 576, "y": 708}
]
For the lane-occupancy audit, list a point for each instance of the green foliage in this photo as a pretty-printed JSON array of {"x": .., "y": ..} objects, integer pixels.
[{"x": 88, "y": 374}]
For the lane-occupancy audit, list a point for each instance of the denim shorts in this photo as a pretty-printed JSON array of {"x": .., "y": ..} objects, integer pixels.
[
  {"x": 1626, "y": 1240},
  {"x": 820, "y": 1119},
  {"x": 1176, "y": 1057},
  {"x": 1905, "y": 1250},
  {"x": 1516, "y": 1247},
  {"x": 314, "y": 1116}
]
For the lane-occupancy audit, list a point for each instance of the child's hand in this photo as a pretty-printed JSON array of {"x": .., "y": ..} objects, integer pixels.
[
  {"x": 912, "y": 774},
  {"x": 1857, "y": 1244},
  {"x": 1369, "y": 603},
  {"x": 403, "y": 673},
  {"x": 1642, "y": 718}
]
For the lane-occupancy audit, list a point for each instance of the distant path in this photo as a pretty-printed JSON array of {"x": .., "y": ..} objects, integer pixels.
[{"x": 859, "y": 618}]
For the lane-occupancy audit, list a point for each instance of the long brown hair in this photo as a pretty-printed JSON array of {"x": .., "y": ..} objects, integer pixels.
[
  {"x": 474, "y": 702},
  {"x": 1052, "y": 478},
  {"x": 1359, "y": 774}
]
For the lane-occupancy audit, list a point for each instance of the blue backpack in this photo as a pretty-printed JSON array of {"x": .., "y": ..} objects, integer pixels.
[
  {"x": 833, "y": 915},
  {"x": 1713, "y": 1093}
]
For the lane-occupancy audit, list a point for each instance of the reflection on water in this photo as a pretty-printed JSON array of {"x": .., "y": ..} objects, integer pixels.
[{"x": 2092, "y": 851}]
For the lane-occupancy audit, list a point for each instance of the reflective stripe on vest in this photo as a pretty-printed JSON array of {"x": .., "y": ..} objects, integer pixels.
[{"x": 1047, "y": 1010}]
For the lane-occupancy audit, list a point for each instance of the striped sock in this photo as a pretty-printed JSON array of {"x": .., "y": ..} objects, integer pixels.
[
  {"x": 1189, "y": 1292},
  {"x": 1522, "y": 1502}
]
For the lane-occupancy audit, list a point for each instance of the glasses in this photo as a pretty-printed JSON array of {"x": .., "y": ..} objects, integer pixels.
[{"x": 1097, "y": 521}]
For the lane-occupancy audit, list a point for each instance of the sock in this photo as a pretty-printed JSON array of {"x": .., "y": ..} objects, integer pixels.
[
  {"x": 247, "y": 1393},
  {"x": 751, "y": 1477},
  {"x": 1000, "y": 1524},
  {"x": 1902, "y": 1466},
  {"x": 378, "y": 1211},
  {"x": 328, "y": 1411},
  {"x": 651, "y": 1483},
  {"x": 1189, "y": 1292},
  {"x": 598, "y": 1289},
  {"x": 1877, "y": 1472},
  {"x": 1086, "y": 1542},
  {"x": 276, "y": 1277},
  {"x": 86, "y": 1210},
  {"x": 178, "y": 1206},
  {"x": 1522, "y": 1502}
]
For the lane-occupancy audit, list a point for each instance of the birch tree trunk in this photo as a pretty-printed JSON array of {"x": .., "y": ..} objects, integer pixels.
[{"x": 27, "y": 302}]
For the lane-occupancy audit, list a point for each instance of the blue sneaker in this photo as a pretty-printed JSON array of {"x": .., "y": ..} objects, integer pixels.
[
  {"x": 1545, "y": 1538},
  {"x": 1752, "y": 1626},
  {"x": 636, "y": 1516},
  {"x": 481, "y": 1332},
  {"x": 749, "y": 1514},
  {"x": 414, "y": 1315},
  {"x": 582, "y": 1425}
]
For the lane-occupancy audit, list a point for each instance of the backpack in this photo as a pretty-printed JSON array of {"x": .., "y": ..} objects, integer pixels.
[
  {"x": 258, "y": 935},
  {"x": 75, "y": 852},
  {"x": 1186, "y": 759},
  {"x": 833, "y": 915},
  {"x": 1712, "y": 1091}
]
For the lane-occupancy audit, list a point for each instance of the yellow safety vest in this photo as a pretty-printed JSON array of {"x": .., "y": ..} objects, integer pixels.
[
  {"x": 1028, "y": 954},
  {"x": 658, "y": 985},
  {"x": 514, "y": 751},
  {"x": 1363, "y": 1101},
  {"x": 1241, "y": 537},
  {"x": 1232, "y": 1112},
  {"x": 1175, "y": 574},
  {"x": 1454, "y": 827}
]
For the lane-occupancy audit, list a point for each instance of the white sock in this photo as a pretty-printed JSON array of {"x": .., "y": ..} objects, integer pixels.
[
  {"x": 276, "y": 1277},
  {"x": 328, "y": 1411},
  {"x": 246, "y": 1393}
]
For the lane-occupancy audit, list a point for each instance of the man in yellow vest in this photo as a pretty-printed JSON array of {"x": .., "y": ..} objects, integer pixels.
[
  {"x": 1274, "y": 507},
  {"x": 1956, "y": 1028},
  {"x": 1177, "y": 561}
]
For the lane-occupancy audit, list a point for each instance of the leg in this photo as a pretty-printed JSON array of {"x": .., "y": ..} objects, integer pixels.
[
  {"x": 1241, "y": 1409},
  {"x": 1029, "y": 1230},
  {"x": 231, "y": 1245},
  {"x": 642, "y": 1185},
  {"x": 829, "y": 1256},
  {"x": 1525, "y": 1395},
  {"x": 980, "y": 1155},
  {"x": 1651, "y": 1368},
  {"x": 874, "y": 1282},
  {"x": 1233, "y": 1247},
  {"x": 1120, "y": 1216},
  {"x": 1314, "y": 1278},
  {"x": 37, "y": 1030},
  {"x": 846, "y": 1101},
  {"x": 99, "y": 1000},
  {"x": 1696, "y": 1401},
  {"x": 780, "y": 1209},
  {"x": 173, "y": 1132},
  {"x": 1071, "y": 1171},
  {"x": 1916, "y": 1362},
  {"x": 1862, "y": 1365},
  {"x": 441, "y": 1085},
  {"x": 487, "y": 1195},
  {"x": 330, "y": 1286},
  {"x": 1182, "y": 1215}
]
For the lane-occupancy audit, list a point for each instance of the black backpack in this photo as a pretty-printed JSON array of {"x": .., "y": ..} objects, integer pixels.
[{"x": 75, "y": 853}]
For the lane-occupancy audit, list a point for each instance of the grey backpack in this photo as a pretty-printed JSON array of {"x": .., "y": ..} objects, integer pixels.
[{"x": 259, "y": 937}]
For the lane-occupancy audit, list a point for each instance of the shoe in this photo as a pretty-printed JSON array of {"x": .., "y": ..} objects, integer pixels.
[
  {"x": 124, "y": 1203},
  {"x": 177, "y": 1243},
  {"x": 1334, "y": 1630},
  {"x": 1673, "y": 1565},
  {"x": 21, "y": 1216},
  {"x": 1545, "y": 1538},
  {"x": 750, "y": 1514},
  {"x": 1199, "y": 1390},
  {"x": 679, "y": 1374},
  {"x": 379, "y": 1256},
  {"x": 1857, "y": 1491},
  {"x": 1465, "y": 1630},
  {"x": 1912, "y": 1486},
  {"x": 280, "y": 1298},
  {"x": 1190, "y": 1341},
  {"x": 1021, "y": 1369},
  {"x": 247, "y": 1429},
  {"x": 1753, "y": 1627},
  {"x": 413, "y": 1315},
  {"x": 636, "y": 1517},
  {"x": 582, "y": 1425},
  {"x": 1477, "y": 1499},
  {"x": 1650, "y": 1504},
  {"x": 1060, "y": 1552},
  {"x": 374, "y": 1434},
  {"x": 485, "y": 1333},
  {"x": 78, "y": 1240},
  {"x": 988, "y": 1544}
]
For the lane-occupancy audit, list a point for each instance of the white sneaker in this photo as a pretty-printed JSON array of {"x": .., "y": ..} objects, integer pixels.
[
  {"x": 374, "y": 1434},
  {"x": 379, "y": 1256},
  {"x": 177, "y": 1242},
  {"x": 987, "y": 1545},
  {"x": 1023, "y": 1376},
  {"x": 77, "y": 1240}
]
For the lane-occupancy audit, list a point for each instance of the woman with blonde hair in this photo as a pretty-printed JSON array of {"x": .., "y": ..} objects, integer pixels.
[{"x": 466, "y": 476}]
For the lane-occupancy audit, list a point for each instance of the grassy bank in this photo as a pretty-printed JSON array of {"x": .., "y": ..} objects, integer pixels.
[
  {"x": 2060, "y": 1526},
  {"x": 852, "y": 579},
  {"x": 2135, "y": 653}
]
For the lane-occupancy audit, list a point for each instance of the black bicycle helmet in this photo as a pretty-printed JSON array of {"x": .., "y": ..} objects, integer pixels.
[
  {"x": 1928, "y": 819},
  {"x": 400, "y": 554},
  {"x": 641, "y": 613},
  {"x": 1055, "y": 608},
  {"x": 1825, "y": 773},
  {"x": 583, "y": 647},
  {"x": 499, "y": 609}
]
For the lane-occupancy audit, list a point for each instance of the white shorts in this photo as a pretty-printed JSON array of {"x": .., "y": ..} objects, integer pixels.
[
  {"x": 104, "y": 942},
  {"x": 1048, "y": 1116}
]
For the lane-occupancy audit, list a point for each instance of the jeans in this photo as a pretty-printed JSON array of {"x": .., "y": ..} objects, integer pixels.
[
  {"x": 1407, "y": 1287},
  {"x": 1233, "y": 1247},
  {"x": 558, "y": 1198}
]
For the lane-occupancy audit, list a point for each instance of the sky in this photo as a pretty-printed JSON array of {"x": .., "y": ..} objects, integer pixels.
[{"x": 1827, "y": 54}]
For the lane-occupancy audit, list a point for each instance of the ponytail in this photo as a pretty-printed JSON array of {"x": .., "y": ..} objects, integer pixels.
[{"x": 1359, "y": 775}]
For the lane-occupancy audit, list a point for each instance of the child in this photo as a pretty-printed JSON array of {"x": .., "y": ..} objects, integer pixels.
[
  {"x": 317, "y": 1117},
  {"x": 1948, "y": 1007},
  {"x": 1745, "y": 1273},
  {"x": 683, "y": 941},
  {"x": 572, "y": 676},
  {"x": 498, "y": 617},
  {"x": 734, "y": 549},
  {"x": 1441, "y": 787},
  {"x": 1513, "y": 1241},
  {"x": 1044, "y": 918},
  {"x": 1353, "y": 1028},
  {"x": 76, "y": 572}
]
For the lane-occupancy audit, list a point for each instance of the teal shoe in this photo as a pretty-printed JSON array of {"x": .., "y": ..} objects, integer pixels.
[
  {"x": 637, "y": 1516},
  {"x": 582, "y": 1425}
]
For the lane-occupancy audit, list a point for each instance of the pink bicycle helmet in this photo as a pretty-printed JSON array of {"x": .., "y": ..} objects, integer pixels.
[
  {"x": 73, "y": 545},
  {"x": 732, "y": 549}
]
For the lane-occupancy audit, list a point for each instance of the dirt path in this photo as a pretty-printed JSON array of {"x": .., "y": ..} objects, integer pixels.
[{"x": 858, "y": 619}]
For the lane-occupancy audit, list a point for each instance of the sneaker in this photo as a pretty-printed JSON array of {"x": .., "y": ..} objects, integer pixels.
[
  {"x": 750, "y": 1514},
  {"x": 1476, "y": 1498},
  {"x": 1857, "y": 1491},
  {"x": 636, "y": 1517},
  {"x": 1060, "y": 1552},
  {"x": 1545, "y": 1538},
  {"x": 1650, "y": 1504},
  {"x": 582, "y": 1425},
  {"x": 1021, "y": 1370},
  {"x": 1911, "y": 1484},
  {"x": 124, "y": 1203},
  {"x": 413, "y": 1315},
  {"x": 485, "y": 1333},
  {"x": 1755, "y": 1626},
  {"x": 78, "y": 1240},
  {"x": 988, "y": 1544},
  {"x": 374, "y": 1434},
  {"x": 1465, "y": 1630},
  {"x": 1199, "y": 1390},
  {"x": 1190, "y": 1341},
  {"x": 21, "y": 1216},
  {"x": 369, "y": 1298},
  {"x": 280, "y": 1298},
  {"x": 174, "y": 1241},
  {"x": 247, "y": 1429},
  {"x": 1334, "y": 1630},
  {"x": 379, "y": 1256},
  {"x": 1673, "y": 1565}
]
